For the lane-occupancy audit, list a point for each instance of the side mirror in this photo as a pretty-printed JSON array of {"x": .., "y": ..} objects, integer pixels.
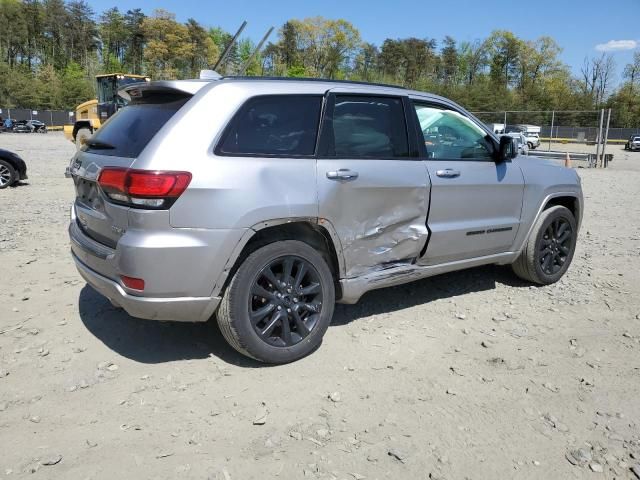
[{"x": 508, "y": 148}]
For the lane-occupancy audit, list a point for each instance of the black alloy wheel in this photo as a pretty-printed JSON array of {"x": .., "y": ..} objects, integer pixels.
[
  {"x": 555, "y": 246},
  {"x": 279, "y": 303},
  {"x": 286, "y": 301}
]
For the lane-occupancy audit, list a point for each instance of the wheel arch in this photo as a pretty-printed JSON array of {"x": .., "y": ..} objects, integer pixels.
[
  {"x": 16, "y": 162},
  {"x": 569, "y": 199},
  {"x": 571, "y": 202},
  {"x": 10, "y": 161},
  {"x": 317, "y": 233}
]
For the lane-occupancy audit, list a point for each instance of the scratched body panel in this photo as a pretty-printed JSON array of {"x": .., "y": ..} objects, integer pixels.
[{"x": 380, "y": 217}]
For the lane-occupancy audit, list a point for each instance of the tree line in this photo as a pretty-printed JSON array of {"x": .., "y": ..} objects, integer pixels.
[{"x": 50, "y": 51}]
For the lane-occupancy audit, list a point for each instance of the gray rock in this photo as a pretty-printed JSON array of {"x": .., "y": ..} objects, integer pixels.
[
  {"x": 398, "y": 455},
  {"x": 579, "y": 456},
  {"x": 335, "y": 397},
  {"x": 636, "y": 470},
  {"x": 596, "y": 467},
  {"x": 261, "y": 415}
]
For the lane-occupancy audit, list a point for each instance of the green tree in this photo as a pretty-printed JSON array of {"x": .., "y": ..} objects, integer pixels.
[
  {"x": 134, "y": 55},
  {"x": 13, "y": 40},
  {"x": 632, "y": 71},
  {"x": 114, "y": 35},
  {"x": 505, "y": 50},
  {"x": 203, "y": 52},
  {"x": 75, "y": 87},
  {"x": 449, "y": 60},
  {"x": 168, "y": 48},
  {"x": 55, "y": 26},
  {"x": 82, "y": 33}
]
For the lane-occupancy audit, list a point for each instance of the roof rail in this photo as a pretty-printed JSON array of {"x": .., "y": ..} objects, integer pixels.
[{"x": 307, "y": 79}]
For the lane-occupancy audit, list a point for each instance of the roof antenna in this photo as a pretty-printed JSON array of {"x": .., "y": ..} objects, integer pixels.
[
  {"x": 244, "y": 67},
  {"x": 229, "y": 47}
]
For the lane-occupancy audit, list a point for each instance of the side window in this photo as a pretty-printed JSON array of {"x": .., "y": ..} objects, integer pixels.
[
  {"x": 368, "y": 127},
  {"x": 282, "y": 125},
  {"x": 450, "y": 135}
]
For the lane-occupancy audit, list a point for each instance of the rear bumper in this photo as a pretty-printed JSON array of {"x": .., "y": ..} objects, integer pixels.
[
  {"x": 98, "y": 264},
  {"x": 181, "y": 309}
]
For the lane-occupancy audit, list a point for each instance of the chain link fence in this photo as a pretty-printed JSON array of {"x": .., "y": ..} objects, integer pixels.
[
  {"x": 51, "y": 118},
  {"x": 570, "y": 126}
]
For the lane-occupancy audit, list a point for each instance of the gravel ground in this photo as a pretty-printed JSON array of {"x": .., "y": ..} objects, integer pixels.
[{"x": 467, "y": 375}]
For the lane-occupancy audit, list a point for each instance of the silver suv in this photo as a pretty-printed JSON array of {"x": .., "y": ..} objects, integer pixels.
[{"x": 265, "y": 201}]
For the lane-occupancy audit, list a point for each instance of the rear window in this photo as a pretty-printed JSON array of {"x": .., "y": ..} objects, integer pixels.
[
  {"x": 129, "y": 131},
  {"x": 274, "y": 125}
]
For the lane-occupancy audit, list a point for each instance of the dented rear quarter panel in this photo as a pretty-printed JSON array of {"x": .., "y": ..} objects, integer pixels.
[{"x": 229, "y": 192}]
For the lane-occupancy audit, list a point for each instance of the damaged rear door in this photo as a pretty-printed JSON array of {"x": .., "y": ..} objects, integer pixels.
[{"x": 372, "y": 187}]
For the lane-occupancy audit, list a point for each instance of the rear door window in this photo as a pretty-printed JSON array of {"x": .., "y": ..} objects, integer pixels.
[
  {"x": 129, "y": 131},
  {"x": 274, "y": 125},
  {"x": 368, "y": 127}
]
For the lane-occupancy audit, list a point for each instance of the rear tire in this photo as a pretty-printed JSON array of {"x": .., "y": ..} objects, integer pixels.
[
  {"x": 294, "y": 322},
  {"x": 81, "y": 137},
  {"x": 547, "y": 254},
  {"x": 8, "y": 174}
]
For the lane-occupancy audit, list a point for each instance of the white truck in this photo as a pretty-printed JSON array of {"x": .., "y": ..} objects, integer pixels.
[{"x": 532, "y": 134}]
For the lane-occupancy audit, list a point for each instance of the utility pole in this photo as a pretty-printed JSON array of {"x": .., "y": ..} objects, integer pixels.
[
  {"x": 504, "y": 127},
  {"x": 603, "y": 162},
  {"x": 553, "y": 118},
  {"x": 599, "y": 137}
]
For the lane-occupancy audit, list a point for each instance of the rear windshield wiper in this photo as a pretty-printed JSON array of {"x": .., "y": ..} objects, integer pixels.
[{"x": 98, "y": 144}]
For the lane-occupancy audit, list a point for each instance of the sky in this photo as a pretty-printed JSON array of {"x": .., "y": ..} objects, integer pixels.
[{"x": 581, "y": 27}]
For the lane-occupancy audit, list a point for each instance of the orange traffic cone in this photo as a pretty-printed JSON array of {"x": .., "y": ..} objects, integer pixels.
[{"x": 567, "y": 161}]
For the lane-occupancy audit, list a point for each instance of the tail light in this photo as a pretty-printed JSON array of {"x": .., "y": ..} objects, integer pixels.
[{"x": 143, "y": 188}]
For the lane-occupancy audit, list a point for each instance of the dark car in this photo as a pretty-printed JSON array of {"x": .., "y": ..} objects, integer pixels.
[
  {"x": 12, "y": 169},
  {"x": 21, "y": 126},
  {"x": 37, "y": 126}
]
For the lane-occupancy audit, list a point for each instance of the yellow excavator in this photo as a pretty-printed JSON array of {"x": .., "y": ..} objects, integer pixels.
[{"x": 93, "y": 113}]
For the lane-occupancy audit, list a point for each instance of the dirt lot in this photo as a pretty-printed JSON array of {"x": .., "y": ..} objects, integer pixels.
[{"x": 467, "y": 375}]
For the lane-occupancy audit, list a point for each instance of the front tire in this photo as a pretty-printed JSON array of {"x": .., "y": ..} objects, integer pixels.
[
  {"x": 279, "y": 303},
  {"x": 549, "y": 249},
  {"x": 8, "y": 174}
]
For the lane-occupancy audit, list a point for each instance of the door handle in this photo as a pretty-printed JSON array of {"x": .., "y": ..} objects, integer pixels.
[
  {"x": 448, "y": 173},
  {"x": 342, "y": 174}
]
